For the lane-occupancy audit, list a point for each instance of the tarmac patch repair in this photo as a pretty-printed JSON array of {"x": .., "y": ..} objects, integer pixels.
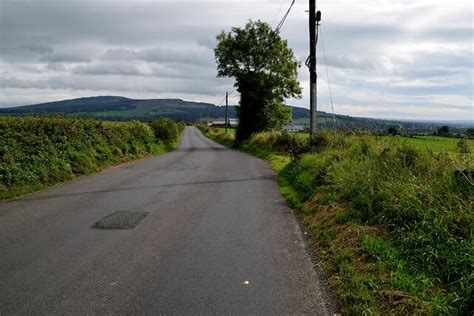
[{"x": 120, "y": 220}]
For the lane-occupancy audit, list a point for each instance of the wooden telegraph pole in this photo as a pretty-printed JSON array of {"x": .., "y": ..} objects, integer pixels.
[
  {"x": 226, "y": 111},
  {"x": 314, "y": 19}
]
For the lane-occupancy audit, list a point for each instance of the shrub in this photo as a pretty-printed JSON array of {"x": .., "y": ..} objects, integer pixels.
[{"x": 166, "y": 129}]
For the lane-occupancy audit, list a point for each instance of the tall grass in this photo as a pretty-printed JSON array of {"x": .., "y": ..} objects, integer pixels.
[
  {"x": 39, "y": 151},
  {"x": 421, "y": 202},
  {"x": 218, "y": 135}
]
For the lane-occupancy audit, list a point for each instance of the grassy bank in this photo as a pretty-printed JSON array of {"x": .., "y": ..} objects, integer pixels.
[
  {"x": 392, "y": 222},
  {"x": 36, "y": 152}
]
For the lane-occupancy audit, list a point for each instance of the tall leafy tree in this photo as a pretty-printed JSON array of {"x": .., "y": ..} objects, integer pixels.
[
  {"x": 265, "y": 71},
  {"x": 444, "y": 131}
]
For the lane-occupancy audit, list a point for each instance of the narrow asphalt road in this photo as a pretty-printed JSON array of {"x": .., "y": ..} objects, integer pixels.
[{"x": 215, "y": 219}]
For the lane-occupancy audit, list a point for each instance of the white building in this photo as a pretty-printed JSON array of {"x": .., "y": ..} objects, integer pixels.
[
  {"x": 220, "y": 122},
  {"x": 294, "y": 128}
]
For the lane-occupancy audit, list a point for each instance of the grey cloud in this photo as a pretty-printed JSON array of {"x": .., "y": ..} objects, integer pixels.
[
  {"x": 14, "y": 51},
  {"x": 12, "y": 82},
  {"x": 59, "y": 22},
  {"x": 167, "y": 53},
  {"x": 137, "y": 68},
  {"x": 163, "y": 47},
  {"x": 192, "y": 55},
  {"x": 119, "y": 54},
  {"x": 349, "y": 62},
  {"x": 184, "y": 71},
  {"x": 36, "y": 48},
  {"x": 64, "y": 57},
  {"x": 447, "y": 60},
  {"x": 117, "y": 83},
  {"x": 446, "y": 34},
  {"x": 109, "y": 69},
  {"x": 56, "y": 67},
  {"x": 209, "y": 42}
]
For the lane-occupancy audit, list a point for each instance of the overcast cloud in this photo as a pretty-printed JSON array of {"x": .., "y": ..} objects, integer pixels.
[{"x": 387, "y": 59}]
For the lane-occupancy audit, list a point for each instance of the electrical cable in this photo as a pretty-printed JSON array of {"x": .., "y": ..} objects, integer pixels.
[
  {"x": 229, "y": 95},
  {"x": 279, "y": 11},
  {"x": 279, "y": 26},
  {"x": 327, "y": 75},
  {"x": 222, "y": 101}
]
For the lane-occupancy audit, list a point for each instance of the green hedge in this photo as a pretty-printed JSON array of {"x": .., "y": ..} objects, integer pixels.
[
  {"x": 40, "y": 151},
  {"x": 167, "y": 130}
]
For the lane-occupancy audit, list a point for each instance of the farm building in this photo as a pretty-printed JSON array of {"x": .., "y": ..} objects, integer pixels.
[
  {"x": 295, "y": 128},
  {"x": 220, "y": 122}
]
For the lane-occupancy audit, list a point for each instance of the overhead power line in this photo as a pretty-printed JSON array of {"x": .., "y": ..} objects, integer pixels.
[
  {"x": 231, "y": 94},
  {"x": 236, "y": 93},
  {"x": 279, "y": 26},
  {"x": 222, "y": 101},
  {"x": 279, "y": 11},
  {"x": 327, "y": 75}
]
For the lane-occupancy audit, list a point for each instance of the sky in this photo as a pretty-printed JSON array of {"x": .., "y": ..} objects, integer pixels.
[{"x": 378, "y": 58}]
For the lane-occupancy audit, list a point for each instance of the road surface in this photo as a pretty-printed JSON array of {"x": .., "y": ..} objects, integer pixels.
[{"x": 214, "y": 222}]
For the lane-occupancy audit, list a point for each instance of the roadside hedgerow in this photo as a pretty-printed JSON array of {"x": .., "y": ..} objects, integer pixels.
[
  {"x": 166, "y": 129},
  {"x": 39, "y": 151}
]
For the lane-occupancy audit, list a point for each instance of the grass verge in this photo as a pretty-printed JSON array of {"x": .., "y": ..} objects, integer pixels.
[{"x": 392, "y": 223}]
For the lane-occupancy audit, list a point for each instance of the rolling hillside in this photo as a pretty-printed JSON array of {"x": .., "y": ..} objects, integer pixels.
[
  {"x": 118, "y": 108},
  {"x": 121, "y": 108}
]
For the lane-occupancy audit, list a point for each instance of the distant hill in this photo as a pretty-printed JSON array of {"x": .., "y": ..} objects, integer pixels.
[
  {"x": 124, "y": 109},
  {"x": 121, "y": 108}
]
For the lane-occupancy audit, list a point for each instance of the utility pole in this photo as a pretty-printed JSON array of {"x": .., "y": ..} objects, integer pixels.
[
  {"x": 207, "y": 114},
  {"x": 226, "y": 106},
  {"x": 314, "y": 19}
]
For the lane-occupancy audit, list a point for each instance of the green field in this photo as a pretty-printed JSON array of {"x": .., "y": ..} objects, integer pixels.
[
  {"x": 230, "y": 131},
  {"x": 434, "y": 143}
]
